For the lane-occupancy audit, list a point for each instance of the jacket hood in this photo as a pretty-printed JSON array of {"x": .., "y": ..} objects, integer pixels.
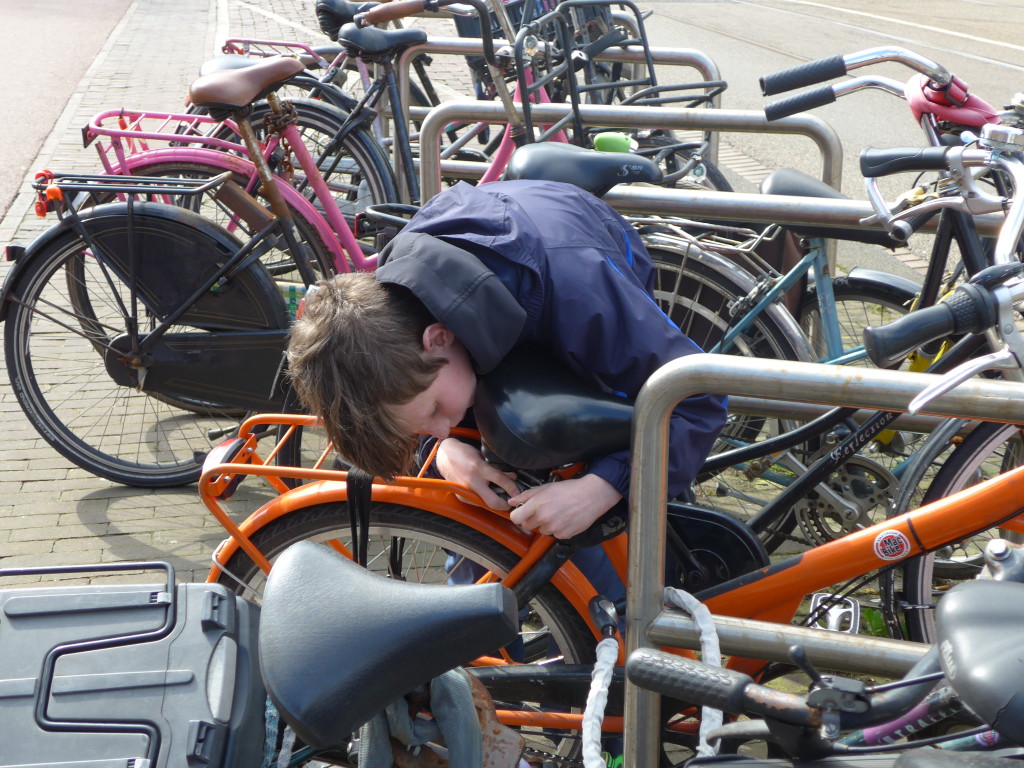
[{"x": 459, "y": 291}]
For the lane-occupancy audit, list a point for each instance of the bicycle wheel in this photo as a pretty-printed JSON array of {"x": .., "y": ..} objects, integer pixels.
[
  {"x": 417, "y": 545},
  {"x": 683, "y": 166},
  {"x": 989, "y": 450},
  {"x": 695, "y": 290},
  {"x": 355, "y": 167},
  {"x": 858, "y": 305},
  {"x": 72, "y": 314},
  {"x": 866, "y": 483}
]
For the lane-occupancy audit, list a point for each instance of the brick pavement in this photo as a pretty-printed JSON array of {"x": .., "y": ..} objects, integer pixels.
[{"x": 51, "y": 512}]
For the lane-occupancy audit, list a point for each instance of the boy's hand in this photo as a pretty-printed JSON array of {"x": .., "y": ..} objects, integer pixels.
[
  {"x": 565, "y": 508},
  {"x": 462, "y": 463}
]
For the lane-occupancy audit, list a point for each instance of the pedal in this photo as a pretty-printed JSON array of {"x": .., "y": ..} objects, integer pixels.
[{"x": 839, "y": 614}]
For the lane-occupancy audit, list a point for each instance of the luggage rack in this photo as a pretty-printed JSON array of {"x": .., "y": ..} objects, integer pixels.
[{"x": 75, "y": 182}]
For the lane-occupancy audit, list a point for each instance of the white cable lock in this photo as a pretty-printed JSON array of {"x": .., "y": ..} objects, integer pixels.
[
  {"x": 710, "y": 654},
  {"x": 593, "y": 714}
]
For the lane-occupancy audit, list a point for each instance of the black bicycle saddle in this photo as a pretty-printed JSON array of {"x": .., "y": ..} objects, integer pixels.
[
  {"x": 596, "y": 172},
  {"x": 371, "y": 40},
  {"x": 789, "y": 181},
  {"x": 979, "y": 638},
  {"x": 338, "y": 643},
  {"x": 533, "y": 412},
  {"x": 332, "y": 15}
]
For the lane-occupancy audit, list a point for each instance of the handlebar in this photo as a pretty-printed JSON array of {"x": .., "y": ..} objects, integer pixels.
[
  {"x": 725, "y": 689},
  {"x": 883, "y": 162},
  {"x": 826, "y": 94},
  {"x": 385, "y": 12},
  {"x": 972, "y": 308},
  {"x": 813, "y": 72},
  {"x": 1000, "y": 147},
  {"x": 390, "y": 11},
  {"x": 836, "y": 702}
]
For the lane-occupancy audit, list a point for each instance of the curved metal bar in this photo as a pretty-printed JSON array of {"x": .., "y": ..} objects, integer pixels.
[
  {"x": 728, "y": 120},
  {"x": 986, "y": 399}
]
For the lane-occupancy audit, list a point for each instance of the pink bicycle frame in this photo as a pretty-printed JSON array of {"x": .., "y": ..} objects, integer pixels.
[{"x": 128, "y": 151}]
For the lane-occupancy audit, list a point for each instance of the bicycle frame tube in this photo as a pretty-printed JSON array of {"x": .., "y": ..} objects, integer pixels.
[
  {"x": 306, "y": 211},
  {"x": 328, "y": 204},
  {"x": 435, "y": 496},
  {"x": 507, "y": 145}
]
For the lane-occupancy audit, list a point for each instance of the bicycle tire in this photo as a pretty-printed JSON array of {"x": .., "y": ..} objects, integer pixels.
[
  {"x": 68, "y": 307},
  {"x": 866, "y": 481},
  {"x": 695, "y": 289},
  {"x": 858, "y": 304},
  {"x": 988, "y": 450},
  {"x": 428, "y": 539},
  {"x": 704, "y": 175}
]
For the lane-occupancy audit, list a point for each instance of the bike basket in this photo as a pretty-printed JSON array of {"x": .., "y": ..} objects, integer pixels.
[{"x": 518, "y": 11}]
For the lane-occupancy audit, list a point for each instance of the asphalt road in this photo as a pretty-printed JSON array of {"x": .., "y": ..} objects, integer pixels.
[
  {"x": 978, "y": 40},
  {"x": 45, "y": 48}
]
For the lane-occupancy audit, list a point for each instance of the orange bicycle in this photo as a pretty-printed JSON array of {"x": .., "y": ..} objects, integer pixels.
[{"x": 424, "y": 529}]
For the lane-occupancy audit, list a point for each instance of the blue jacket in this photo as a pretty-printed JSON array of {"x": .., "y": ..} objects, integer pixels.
[{"x": 540, "y": 262}]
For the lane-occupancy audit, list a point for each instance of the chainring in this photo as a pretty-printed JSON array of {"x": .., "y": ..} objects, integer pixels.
[{"x": 864, "y": 484}]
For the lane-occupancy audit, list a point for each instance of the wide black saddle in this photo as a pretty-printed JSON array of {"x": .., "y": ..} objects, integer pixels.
[
  {"x": 596, "y": 172},
  {"x": 533, "y": 412},
  {"x": 371, "y": 41},
  {"x": 338, "y": 643}
]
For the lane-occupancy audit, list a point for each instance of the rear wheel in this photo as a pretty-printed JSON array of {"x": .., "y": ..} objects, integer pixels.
[
  {"x": 695, "y": 290},
  {"x": 69, "y": 338},
  {"x": 416, "y": 545}
]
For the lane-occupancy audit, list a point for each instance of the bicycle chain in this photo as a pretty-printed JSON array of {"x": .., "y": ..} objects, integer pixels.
[
  {"x": 548, "y": 759},
  {"x": 275, "y": 123}
]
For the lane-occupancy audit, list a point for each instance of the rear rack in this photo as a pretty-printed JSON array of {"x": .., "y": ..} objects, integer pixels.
[{"x": 75, "y": 182}]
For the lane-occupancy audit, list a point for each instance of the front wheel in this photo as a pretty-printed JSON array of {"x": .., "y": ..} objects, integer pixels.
[
  {"x": 990, "y": 449},
  {"x": 73, "y": 321}
]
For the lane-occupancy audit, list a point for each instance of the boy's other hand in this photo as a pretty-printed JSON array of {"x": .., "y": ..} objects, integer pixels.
[
  {"x": 566, "y": 508},
  {"x": 462, "y": 463}
]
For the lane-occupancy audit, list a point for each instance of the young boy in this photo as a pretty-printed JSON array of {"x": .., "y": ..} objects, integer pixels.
[{"x": 477, "y": 272}]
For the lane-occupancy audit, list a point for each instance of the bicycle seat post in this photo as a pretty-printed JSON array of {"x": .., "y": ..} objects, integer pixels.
[{"x": 282, "y": 117}]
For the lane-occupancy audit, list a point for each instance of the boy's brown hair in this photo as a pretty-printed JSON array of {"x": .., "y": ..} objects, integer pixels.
[{"x": 356, "y": 350}]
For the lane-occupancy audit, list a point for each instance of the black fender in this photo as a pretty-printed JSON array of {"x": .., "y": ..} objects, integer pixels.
[
  {"x": 22, "y": 255},
  {"x": 259, "y": 283},
  {"x": 867, "y": 276}
]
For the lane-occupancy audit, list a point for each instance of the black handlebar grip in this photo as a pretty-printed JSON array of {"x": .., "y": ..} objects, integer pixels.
[
  {"x": 802, "y": 75},
  {"x": 969, "y": 310},
  {"x": 817, "y": 97},
  {"x": 882, "y": 162},
  {"x": 688, "y": 680}
]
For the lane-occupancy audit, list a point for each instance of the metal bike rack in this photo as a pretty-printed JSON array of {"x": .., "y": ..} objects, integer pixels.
[
  {"x": 649, "y": 623},
  {"x": 781, "y": 209},
  {"x": 729, "y": 120},
  {"x": 461, "y": 46}
]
